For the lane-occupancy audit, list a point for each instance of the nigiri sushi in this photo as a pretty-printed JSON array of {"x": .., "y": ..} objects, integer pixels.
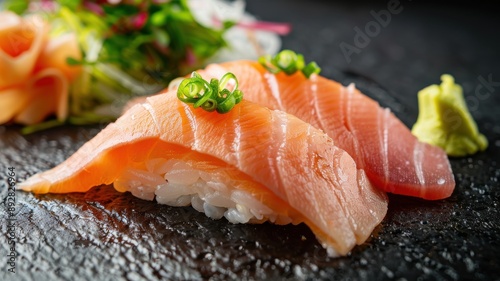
[
  {"x": 392, "y": 158},
  {"x": 249, "y": 165}
]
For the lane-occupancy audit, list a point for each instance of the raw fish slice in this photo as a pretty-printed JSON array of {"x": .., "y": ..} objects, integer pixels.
[
  {"x": 43, "y": 94},
  {"x": 21, "y": 41},
  {"x": 57, "y": 51},
  {"x": 34, "y": 74},
  {"x": 393, "y": 159},
  {"x": 270, "y": 157},
  {"x": 48, "y": 94}
]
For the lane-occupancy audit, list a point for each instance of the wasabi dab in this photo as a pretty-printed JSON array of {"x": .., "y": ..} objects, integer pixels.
[{"x": 444, "y": 120}]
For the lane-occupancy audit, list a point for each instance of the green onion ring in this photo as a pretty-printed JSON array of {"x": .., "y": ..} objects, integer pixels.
[
  {"x": 213, "y": 96},
  {"x": 289, "y": 62}
]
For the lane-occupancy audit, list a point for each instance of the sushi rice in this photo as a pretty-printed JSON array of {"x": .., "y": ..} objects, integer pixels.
[{"x": 176, "y": 183}]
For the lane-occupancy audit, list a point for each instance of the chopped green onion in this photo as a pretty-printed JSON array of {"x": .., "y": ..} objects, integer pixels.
[
  {"x": 311, "y": 68},
  {"x": 266, "y": 61},
  {"x": 289, "y": 62},
  {"x": 213, "y": 96}
]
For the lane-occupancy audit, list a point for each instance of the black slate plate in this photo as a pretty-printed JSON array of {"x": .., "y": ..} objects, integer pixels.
[{"x": 105, "y": 235}]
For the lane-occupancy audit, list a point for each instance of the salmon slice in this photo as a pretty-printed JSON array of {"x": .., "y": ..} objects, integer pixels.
[
  {"x": 57, "y": 51},
  {"x": 35, "y": 77},
  {"x": 21, "y": 41},
  {"x": 274, "y": 158},
  {"x": 393, "y": 159},
  {"x": 43, "y": 94}
]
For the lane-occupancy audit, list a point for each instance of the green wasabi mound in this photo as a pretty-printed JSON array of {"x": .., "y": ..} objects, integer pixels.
[{"x": 444, "y": 120}]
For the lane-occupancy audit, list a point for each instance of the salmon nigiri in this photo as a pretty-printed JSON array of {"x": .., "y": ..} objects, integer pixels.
[
  {"x": 393, "y": 159},
  {"x": 251, "y": 164}
]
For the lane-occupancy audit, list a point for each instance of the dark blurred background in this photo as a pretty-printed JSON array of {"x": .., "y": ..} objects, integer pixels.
[{"x": 418, "y": 44}]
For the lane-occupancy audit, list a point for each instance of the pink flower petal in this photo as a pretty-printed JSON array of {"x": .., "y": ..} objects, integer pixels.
[
  {"x": 93, "y": 7},
  {"x": 140, "y": 20},
  {"x": 190, "y": 56},
  {"x": 278, "y": 28}
]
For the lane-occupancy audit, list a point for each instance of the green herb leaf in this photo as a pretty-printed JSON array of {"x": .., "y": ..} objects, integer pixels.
[
  {"x": 71, "y": 4},
  {"x": 17, "y": 6},
  {"x": 74, "y": 62}
]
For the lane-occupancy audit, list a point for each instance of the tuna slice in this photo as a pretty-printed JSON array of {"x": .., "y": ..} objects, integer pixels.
[{"x": 393, "y": 159}]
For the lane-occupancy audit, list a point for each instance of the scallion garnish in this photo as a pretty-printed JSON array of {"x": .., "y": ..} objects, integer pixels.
[
  {"x": 311, "y": 68},
  {"x": 213, "y": 95},
  {"x": 289, "y": 62}
]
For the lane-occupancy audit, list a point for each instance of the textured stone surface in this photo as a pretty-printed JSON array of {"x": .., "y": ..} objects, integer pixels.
[{"x": 105, "y": 235}]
